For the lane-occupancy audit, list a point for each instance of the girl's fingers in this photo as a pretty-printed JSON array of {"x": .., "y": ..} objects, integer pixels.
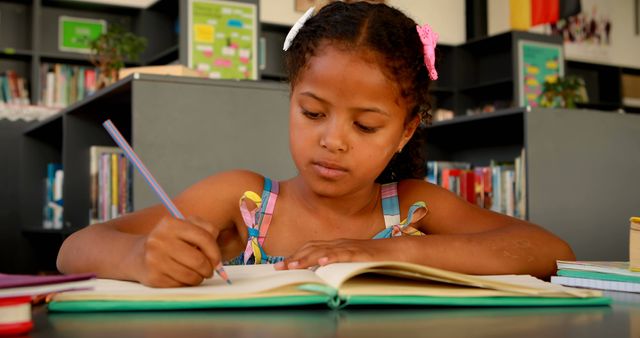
[
  {"x": 327, "y": 252},
  {"x": 314, "y": 254},
  {"x": 192, "y": 258},
  {"x": 299, "y": 260},
  {"x": 173, "y": 274},
  {"x": 183, "y": 275},
  {"x": 198, "y": 236}
]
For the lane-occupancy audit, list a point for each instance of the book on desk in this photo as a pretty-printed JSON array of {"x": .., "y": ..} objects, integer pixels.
[
  {"x": 334, "y": 285},
  {"x": 600, "y": 275}
]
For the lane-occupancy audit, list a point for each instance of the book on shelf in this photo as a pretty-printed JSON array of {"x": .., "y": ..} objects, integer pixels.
[
  {"x": 13, "y": 89},
  {"x": 64, "y": 84},
  {"x": 111, "y": 182},
  {"x": 52, "y": 217},
  {"x": 335, "y": 285},
  {"x": 500, "y": 187},
  {"x": 601, "y": 275}
]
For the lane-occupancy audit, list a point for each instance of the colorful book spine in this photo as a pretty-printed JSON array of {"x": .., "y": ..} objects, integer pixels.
[
  {"x": 52, "y": 214},
  {"x": 63, "y": 84},
  {"x": 500, "y": 187},
  {"x": 110, "y": 174}
]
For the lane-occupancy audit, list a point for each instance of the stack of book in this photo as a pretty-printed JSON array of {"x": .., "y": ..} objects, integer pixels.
[
  {"x": 17, "y": 292},
  {"x": 111, "y": 183},
  {"x": 13, "y": 89},
  {"x": 500, "y": 187},
  {"x": 614, "y": 276},
  {"x": 63, "y": 84}
]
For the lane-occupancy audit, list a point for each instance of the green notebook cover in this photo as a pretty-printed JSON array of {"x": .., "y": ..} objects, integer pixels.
[
  {"x": 599, "y": 276},
  {"x": 333, "y": 303}
]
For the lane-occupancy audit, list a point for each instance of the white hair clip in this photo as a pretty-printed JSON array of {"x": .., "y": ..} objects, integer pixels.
[{"x": 296, "y": 27}]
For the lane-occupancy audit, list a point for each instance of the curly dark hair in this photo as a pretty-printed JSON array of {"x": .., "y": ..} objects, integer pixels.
[{"x": 393, "y": 38}]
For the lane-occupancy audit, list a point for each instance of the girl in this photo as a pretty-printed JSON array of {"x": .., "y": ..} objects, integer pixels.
[{"x": 359, "y": 75}]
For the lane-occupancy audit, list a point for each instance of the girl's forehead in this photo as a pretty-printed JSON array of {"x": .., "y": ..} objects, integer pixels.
[
  {"x": 348, "y": 75},
  {"x": 345, "y": 60}
]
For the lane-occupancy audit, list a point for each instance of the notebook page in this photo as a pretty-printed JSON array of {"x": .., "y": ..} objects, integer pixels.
[
  {"x": 336, "y": 274},
  {"x": 530, "y": 281},
  {"x": 247, "y": 280}
]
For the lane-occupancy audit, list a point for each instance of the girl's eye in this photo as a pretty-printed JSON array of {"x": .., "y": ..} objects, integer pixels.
[
  {"x": 311, "y": 115},
  {"x": 365, "y": 128}
]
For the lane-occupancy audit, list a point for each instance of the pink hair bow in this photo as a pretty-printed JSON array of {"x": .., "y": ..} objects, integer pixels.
[{"x": 429, "y": 40}]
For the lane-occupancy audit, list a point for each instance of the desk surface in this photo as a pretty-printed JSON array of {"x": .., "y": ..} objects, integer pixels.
[{"x": 622, "y": 319}]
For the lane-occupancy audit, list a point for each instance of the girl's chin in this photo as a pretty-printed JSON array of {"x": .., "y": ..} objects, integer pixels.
[{"x": 326, "y": 188}]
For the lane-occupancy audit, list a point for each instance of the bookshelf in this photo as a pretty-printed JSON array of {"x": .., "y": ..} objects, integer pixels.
[
  {"x": 603, "y": 84},
  {"x": 165, "y": 132},
  {"x": 485, "y": 71},
  {"x": 580, "y": 172},
  {"x": 28, "y": 36}
]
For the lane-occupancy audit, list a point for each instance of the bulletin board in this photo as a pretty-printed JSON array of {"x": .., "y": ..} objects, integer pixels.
[
  {"x": 222, "y": 40},
  {"x": 76, "y": 34},
  {"x": 537, "y": 62}
]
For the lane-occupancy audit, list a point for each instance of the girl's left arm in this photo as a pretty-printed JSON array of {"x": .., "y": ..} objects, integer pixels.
[
  {"x": 460, "y": 237},
  {"x": 466, "y": 238}
]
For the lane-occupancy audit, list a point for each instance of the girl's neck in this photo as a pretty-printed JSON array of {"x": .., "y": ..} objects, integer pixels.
[{"x": 358, "y": 202}]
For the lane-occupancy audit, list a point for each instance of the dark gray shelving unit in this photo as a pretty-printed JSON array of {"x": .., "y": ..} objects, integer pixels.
[
  {"x": 28, "y": 36},
  {"x": 603, "y": 84},
  {"x": 29, "y": 28},
  {"x": 180, "y": 141},
  {"x": 486, "y": 70},
  {"x": 581, "y": 167}
]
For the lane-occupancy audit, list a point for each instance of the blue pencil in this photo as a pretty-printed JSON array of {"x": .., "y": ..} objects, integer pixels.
[{"x": 133, "y": 158}]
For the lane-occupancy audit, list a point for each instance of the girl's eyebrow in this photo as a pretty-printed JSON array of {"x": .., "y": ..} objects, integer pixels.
[{"x": 358, "y": 109}]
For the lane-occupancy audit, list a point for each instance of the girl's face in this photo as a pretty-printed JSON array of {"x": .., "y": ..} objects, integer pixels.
[{"x": 346, "y": 121}]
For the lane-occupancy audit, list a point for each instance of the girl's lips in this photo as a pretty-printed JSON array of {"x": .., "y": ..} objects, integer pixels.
[{"x": 329, "y": 170}]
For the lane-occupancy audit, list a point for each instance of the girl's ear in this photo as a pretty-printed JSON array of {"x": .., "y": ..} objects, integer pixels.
[{"x": 409, "y": 129}]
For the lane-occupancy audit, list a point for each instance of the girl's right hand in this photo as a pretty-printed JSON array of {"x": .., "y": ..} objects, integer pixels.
[{"x": 178, "y": 253}]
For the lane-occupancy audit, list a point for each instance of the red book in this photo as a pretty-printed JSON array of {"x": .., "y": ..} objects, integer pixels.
[
  {"x": 469, "y": 188},
  {"x": 15, "y": 316}
]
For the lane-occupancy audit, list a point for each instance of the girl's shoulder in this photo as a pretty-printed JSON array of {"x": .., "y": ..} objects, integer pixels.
[
  {"x": 227, "y": 184},
  {"x": 414, "y": 190},
  {"x": 234, "y": 180},
  {"x": 411, "y": 187}
]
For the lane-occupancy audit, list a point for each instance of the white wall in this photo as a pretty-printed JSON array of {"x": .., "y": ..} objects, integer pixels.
[
  {"x": 445, "y": 17},
  {"x": 625, "y": 45}
]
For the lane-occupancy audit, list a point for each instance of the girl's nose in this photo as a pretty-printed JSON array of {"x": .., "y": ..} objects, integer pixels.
[{"x": 334, "y": 138}]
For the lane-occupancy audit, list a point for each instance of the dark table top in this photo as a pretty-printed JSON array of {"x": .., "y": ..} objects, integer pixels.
[{"x": 622, "y": 319}]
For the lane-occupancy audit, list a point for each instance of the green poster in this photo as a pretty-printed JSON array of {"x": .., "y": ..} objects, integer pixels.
[
  {"x": 75, "y": 34},
  {"x": 538, "y": 62},
  {"x": 223, "y": 38}
]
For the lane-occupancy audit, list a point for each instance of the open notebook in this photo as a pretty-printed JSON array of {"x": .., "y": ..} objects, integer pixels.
[{"x": 337, "y": 285}]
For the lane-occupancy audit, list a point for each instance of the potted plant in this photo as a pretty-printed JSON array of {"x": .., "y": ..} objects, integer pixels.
[
  {"x": 111, "y": 49},
  {"x": 563, "y": 92}
]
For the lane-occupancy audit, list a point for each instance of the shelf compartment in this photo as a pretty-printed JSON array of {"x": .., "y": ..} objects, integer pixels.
[
  {"x": 15, "y": 25},
  {"x": 40, "y": 145}
]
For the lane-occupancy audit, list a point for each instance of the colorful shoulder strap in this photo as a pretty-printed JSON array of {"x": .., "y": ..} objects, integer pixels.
[
  {"x": 390, "y": 204},
  {"x": 391, "y": 210},
  {"x": 258, "y": 218}
]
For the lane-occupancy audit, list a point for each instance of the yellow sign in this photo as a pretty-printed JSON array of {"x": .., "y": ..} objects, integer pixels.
[{"x": 204, "y": 33}]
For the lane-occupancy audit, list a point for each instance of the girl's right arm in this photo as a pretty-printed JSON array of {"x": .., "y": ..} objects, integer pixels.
[{"x": 156, "y": 249}]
